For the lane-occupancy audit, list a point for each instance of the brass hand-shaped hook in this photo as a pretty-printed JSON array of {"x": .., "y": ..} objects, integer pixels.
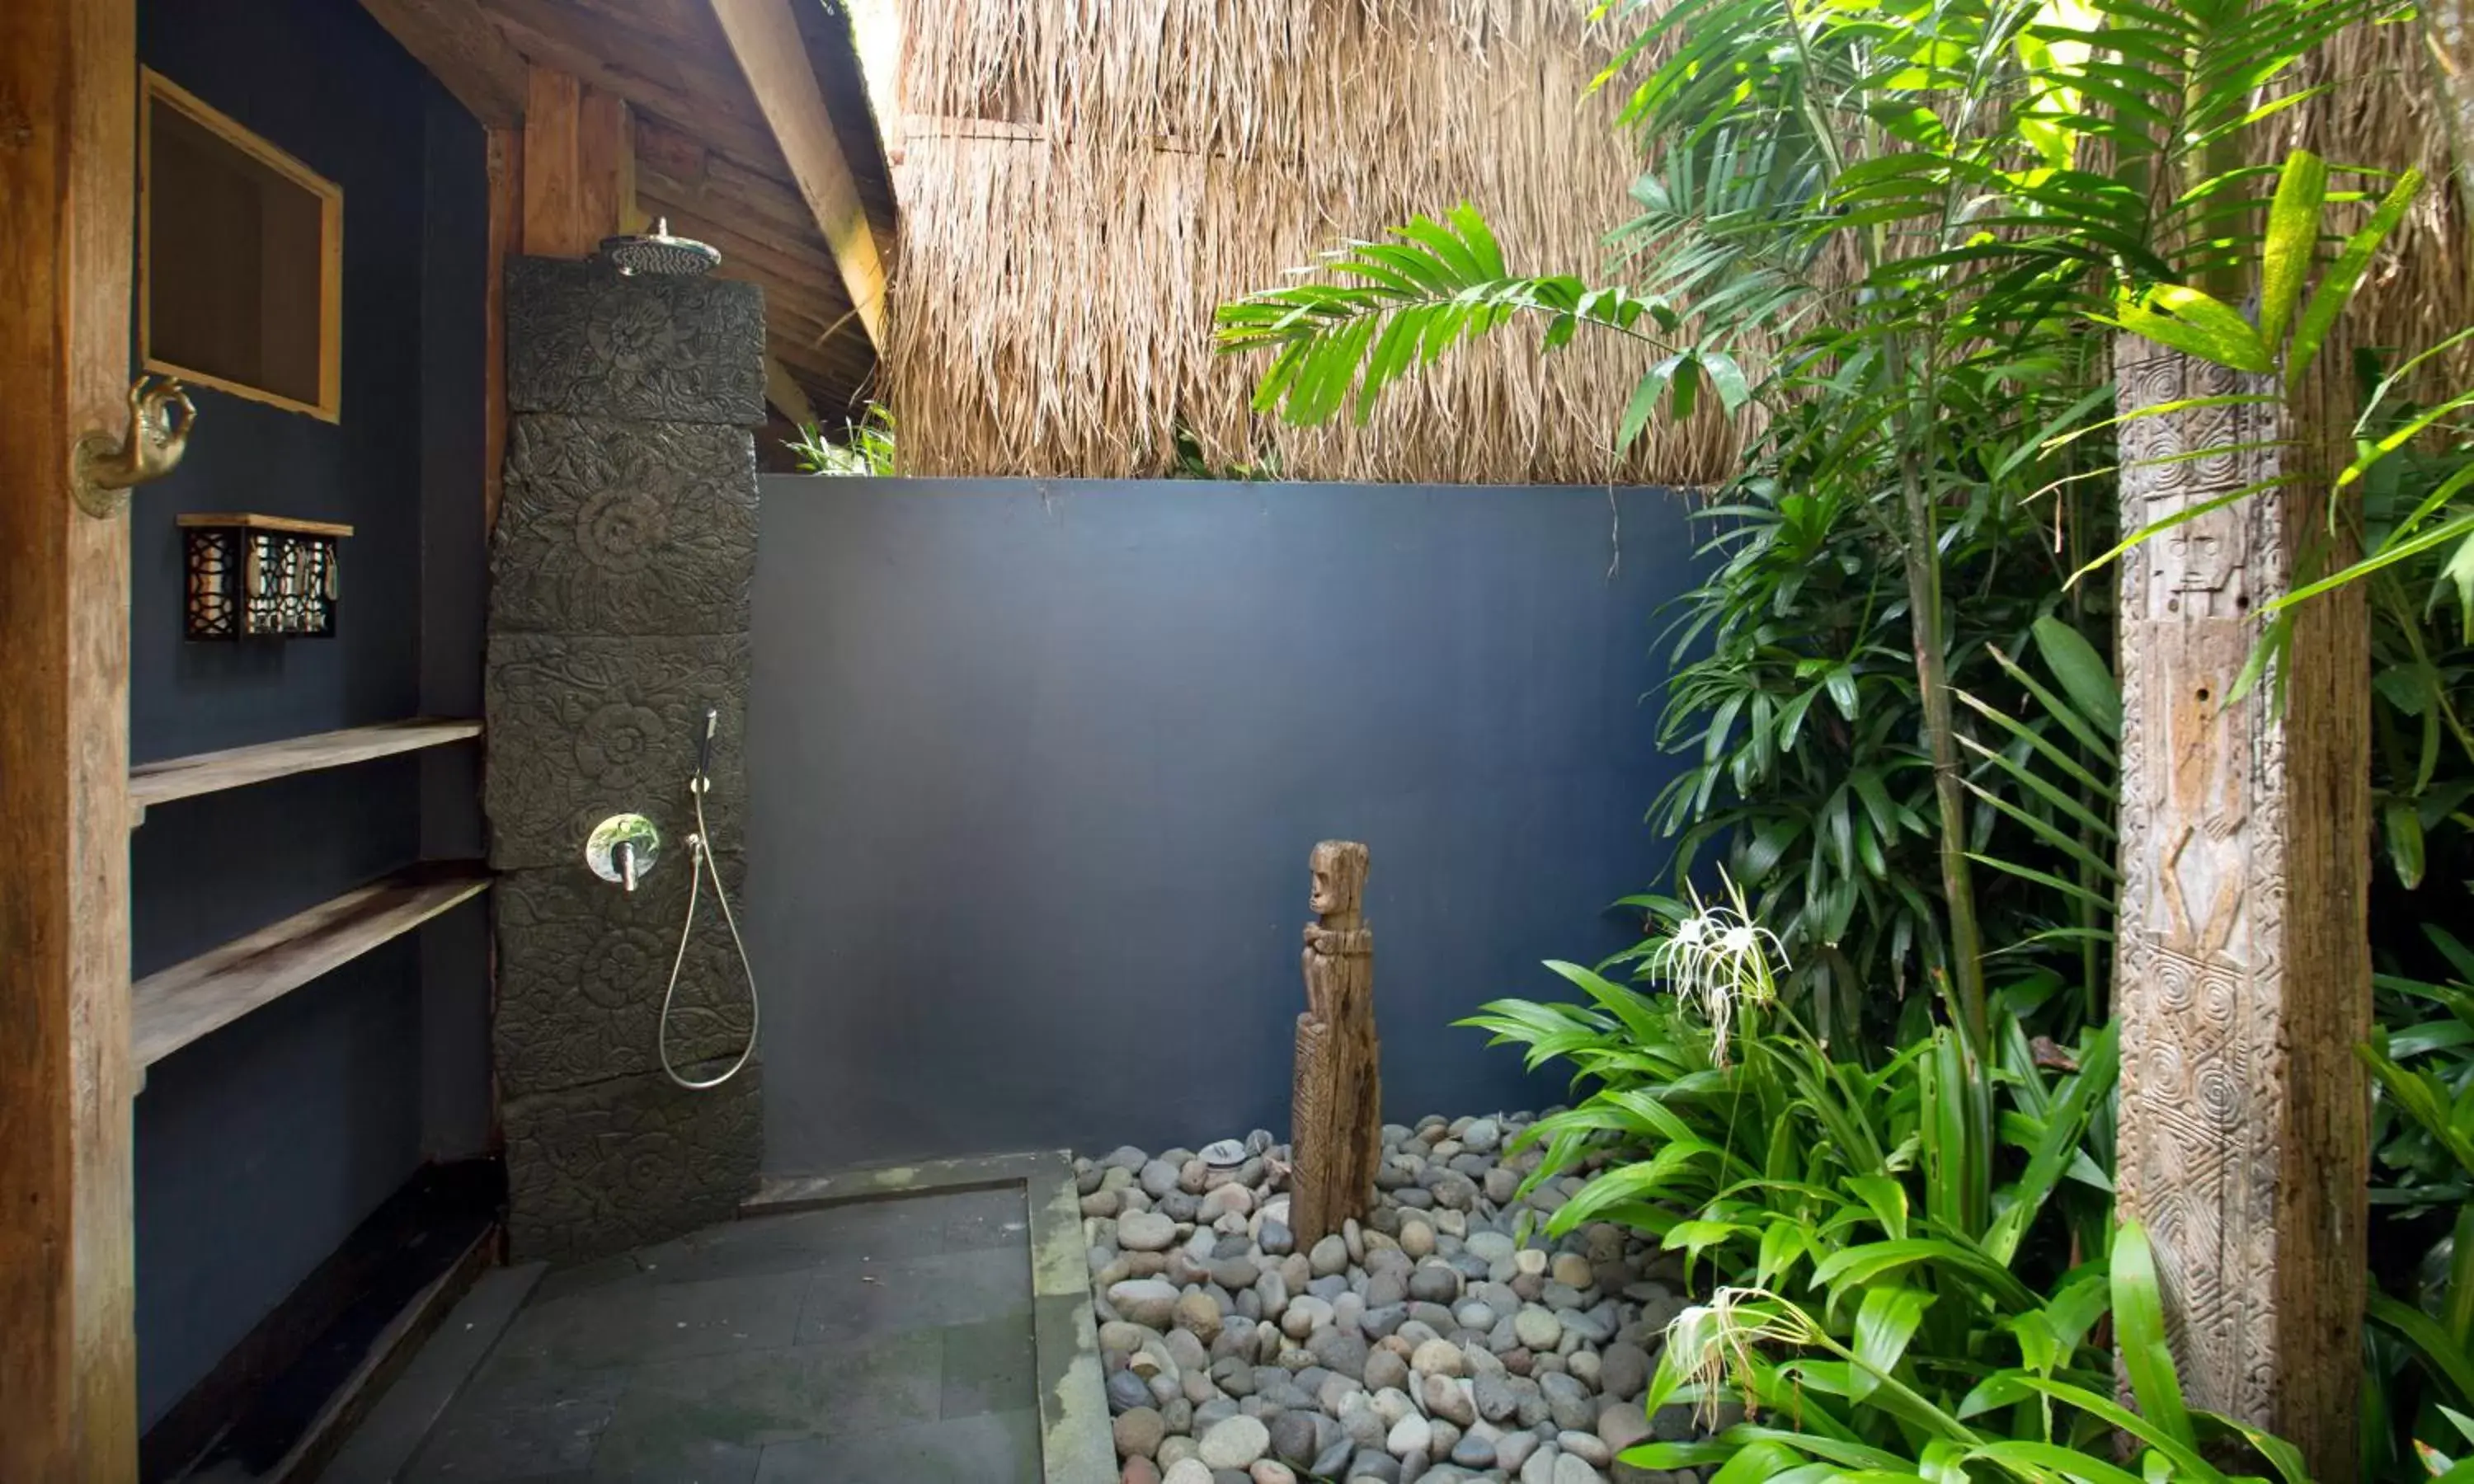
[{"x": 102, "y": 470}]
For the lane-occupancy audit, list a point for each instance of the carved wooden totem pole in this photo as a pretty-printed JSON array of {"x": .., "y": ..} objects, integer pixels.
[
  {"x": 1336, "y": 1099},
  {"x": 2243, "y": 969}
]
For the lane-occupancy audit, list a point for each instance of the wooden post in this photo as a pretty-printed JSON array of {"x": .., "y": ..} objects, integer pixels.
[
  {"x": 579, "y": 166},
  {"x": 68, "y": 1403},
  {"x": 2243, "y": 965},
  {"x": 1336, "y": 1093},
  {"x": 505, "y": 239}
]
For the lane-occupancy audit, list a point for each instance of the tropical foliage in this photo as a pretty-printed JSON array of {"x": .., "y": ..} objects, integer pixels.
[{"x": 1897, "y": 242}]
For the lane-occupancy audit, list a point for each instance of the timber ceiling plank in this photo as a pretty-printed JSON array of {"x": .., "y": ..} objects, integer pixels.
[
  {"x": 764, "y": 36},
  {"x": 463, "y": 49}
]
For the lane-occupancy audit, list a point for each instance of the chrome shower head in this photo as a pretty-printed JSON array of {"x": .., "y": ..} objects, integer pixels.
[{"x": 659, "y": 255}]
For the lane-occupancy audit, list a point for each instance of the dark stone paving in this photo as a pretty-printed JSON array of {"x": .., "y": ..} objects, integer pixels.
[{"x": 888, "y": 1343}]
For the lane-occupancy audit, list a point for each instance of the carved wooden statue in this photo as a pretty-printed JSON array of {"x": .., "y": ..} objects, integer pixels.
[
  {"x": 1336, "y": 1099},
  {"x": 2243, "y": 971}
]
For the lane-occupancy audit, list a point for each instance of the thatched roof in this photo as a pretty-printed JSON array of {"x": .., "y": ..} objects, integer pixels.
[{"x": 1082, "y": 185}]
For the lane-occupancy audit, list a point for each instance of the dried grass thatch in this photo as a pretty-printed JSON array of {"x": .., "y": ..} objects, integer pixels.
[
  {"x": 2384, "y": 111},
  {"x": 1083, "y": 184}
]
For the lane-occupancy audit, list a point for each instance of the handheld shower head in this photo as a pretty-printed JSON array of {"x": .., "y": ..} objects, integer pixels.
[{"x": 704, "y": 747}]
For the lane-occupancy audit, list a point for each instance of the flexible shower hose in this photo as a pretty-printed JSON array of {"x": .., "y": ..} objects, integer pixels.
[{"x": 699, "y": 864}]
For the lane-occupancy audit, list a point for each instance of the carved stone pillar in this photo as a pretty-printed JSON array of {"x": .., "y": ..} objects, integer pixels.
[
  {"x": 1336, "y": 1097},
  {"x": 2243, "y": 965}
]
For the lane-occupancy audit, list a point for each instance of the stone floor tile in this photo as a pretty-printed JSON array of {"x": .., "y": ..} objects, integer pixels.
[
  {"x": 976, "y": 1220},
  {"x": 989, "y": 1367},
  {"x": 995, "y": 1448},
  {"x": 520, "y": 1420},
  {"x": 720, "y": 1315},
  {"x": 878, "y": 1383},
  {"x": 916, "y": 1293}
]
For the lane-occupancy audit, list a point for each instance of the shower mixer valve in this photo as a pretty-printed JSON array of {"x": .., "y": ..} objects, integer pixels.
[{"x": 623, "y": 848}]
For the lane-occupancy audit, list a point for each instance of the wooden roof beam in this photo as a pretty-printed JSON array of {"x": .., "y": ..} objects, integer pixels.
[
  {"x": 463, "y": 48},
  {"x": 763, "y": 37}
]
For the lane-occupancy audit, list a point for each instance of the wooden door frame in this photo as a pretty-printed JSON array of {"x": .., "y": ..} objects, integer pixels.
[{"x": 69, "y": 1407}]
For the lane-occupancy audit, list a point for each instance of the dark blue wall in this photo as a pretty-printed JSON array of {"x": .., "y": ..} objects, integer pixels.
[
  {"x": 1035, "y": 767},
  {"x": 262, "y": 1145}
]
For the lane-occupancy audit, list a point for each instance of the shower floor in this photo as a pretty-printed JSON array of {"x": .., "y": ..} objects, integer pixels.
[{"x": 883, "y": 1343}]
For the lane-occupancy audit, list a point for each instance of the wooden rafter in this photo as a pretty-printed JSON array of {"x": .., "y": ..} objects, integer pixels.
[
  {"x": 763, "y": 37},
  {"x": 460, "y": 46}
]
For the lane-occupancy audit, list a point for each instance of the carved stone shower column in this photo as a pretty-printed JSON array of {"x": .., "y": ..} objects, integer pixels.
[
  {"x": 2242, "y": 966},
  {"x": 1336, "y": 1097}
]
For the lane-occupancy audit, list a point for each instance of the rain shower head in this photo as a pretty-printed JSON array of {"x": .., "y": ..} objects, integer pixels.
[{"x": 659, "y": 255}]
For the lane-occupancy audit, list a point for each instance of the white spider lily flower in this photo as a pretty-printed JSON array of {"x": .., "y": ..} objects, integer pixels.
[
  {"x": 1712, "y": 1343},
  {"x": 1718, "y": 959}
]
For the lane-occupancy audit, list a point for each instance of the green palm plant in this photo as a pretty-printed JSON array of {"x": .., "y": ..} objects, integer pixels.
[
  {"x": 1892, "y": 216},
  {"x": 1821, "y": 1400}
]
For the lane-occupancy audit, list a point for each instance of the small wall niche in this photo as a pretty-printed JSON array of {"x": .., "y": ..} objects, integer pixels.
[{"x": 240, "y": 258}]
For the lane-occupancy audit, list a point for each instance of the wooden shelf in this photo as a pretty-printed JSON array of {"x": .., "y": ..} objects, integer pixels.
[
  {"x": 206, "y": 773},
  {"x": 170, "y": 1009}
]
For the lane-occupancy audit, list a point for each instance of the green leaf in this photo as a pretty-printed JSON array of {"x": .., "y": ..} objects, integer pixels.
[
  {"x": 1884, "y": 1323},
  {"x": 2198, "y": 325},
  {"x": 2440, "y": 1357},
  {"x": 2336, "y": 285},
  {"x": 2401, "y": 827},
  {"x": 2292, "y": 242},
  {"x": 2085, "y": 678},
  {"x": 2139, "y": 1323}
]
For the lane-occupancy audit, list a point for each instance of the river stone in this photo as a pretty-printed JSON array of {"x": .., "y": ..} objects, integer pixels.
[
  {"x": 1409, "y": 1438},
  {"x": 1127, "y": 1390},
  {"x": 1384, "y": 1369},
  {"x": 1145, "y": 1231},
  {"x": 1530, "y": 1261},
  {"x": 1472, "y": 1451},
  {"x": 1434, "y": 1283},
  {"x": 1233, "y": 1376},
  {"x": 1330, "y": 1255},
  {"x": 1570, "y": 1268},
  {"x": 1444, "y": 1399},
  {"x": 1196, "y": 1312},
  {"x": 1501, "y": 1185},
  {"x": 1489, "y": 1247},
  {"x": 1193, "y": 1471},
  {"x": 1159, "y": 1179},
  {"x": 1593, "y": 1326},
  {"x": 1122, "y": 1336},
  {"x": 1146, "y": 1301},
  {"x": 1495, "y": 1399},
  {"x": 1438, "y": 1357},
  {"x": 1417, "y": 1237},
  {"x": 1139, "y": 1471},
  {"x": 1567, "y": 1402},
  {"x": 1139, "y": 1430},
  {"x": 1623, "y": 1370},
  {"x": 1372, "y": 1467},
  {"x": 1569, "y": 1470},
  {"x": 1293, "y": 1438},
  {"x": 1304, "y": 1315},
  {"x": 1235, "y": 1273},
  {"x": 1273, "y": 1236},
  {"x": 1538, "y": 1328},
  {"x": 1587, "y": 1447},
  {"x": 1623, "y": 1427},
  {"x": 1340, "y": 1352},
  {"x": 1672, "y": 1422}
]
